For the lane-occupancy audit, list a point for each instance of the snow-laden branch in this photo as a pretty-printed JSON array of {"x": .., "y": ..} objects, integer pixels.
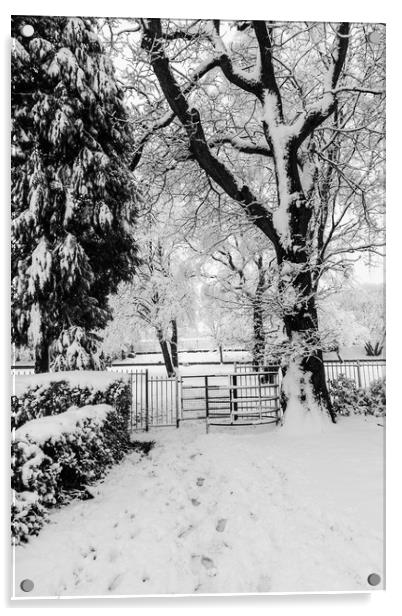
[
  {"x": 238, "y": 77},
  {"x": 132, "y": 30},
  {"x": 180, "y": 34},
  {"x": 191, "y": 121},
  {"x": 164, "y": 121},
  {"x": 242, "y": 145},
  {"x": 168, "y": 117},
  {"x": 305, "y": 125},
  {"x": 267, "y": 73}
]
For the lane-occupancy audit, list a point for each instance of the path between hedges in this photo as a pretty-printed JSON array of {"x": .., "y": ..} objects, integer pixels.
[{"x": 227, "y": 512}]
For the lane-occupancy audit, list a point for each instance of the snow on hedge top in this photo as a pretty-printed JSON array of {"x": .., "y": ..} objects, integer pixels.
[
  {"x": 96, "y": 379},
  {"x": 53, "y": 427}
]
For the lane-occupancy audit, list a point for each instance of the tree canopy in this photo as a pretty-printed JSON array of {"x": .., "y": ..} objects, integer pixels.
[{"x": 285, "y": 121}]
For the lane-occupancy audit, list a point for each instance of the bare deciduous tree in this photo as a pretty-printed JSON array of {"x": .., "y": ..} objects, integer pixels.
[{"x": 285, "y": 119}]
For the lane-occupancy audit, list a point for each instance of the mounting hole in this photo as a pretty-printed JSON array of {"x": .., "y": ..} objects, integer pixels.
[
  {"x": 27, "y": 585},
  {"x": 374, "y": 579},
  {"x": 27, "y": 30},
  {"x": 374, "y": 37}
]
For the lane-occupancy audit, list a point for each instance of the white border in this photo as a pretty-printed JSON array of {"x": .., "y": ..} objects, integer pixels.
[
  {"x": 384, "y": 11},
  {"x": 291, "y": 10}
]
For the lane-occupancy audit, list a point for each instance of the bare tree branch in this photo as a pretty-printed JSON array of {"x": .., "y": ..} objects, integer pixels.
[
  {"x": 242, "y": 145},
  {"x": 267, "y": 72},
  {"x": 168, "y": 117},
  {"x": 191, "y": 121},
  {"x": 327, "y": 106}
]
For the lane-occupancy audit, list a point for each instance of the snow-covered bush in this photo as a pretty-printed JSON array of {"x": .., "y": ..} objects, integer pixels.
[
  {"x": 42, "y": 401},
  {"x": 27, "y": 515},
  {"x": 54, "y": 455},
  {"x": 347, "y": 398},
  {"x": 376, "y": 396}
]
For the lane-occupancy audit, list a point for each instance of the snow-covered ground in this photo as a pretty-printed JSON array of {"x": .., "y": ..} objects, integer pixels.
[{"x": 242, "y": 510}]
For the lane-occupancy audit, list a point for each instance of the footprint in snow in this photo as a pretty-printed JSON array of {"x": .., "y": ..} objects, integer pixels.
[
  {"x": 209, "y": 565},
  {"x": 194, "y": 455},
  {"x": 115, "y": 582},
  {"x": 200, "y": 481},
  {"x": 185, "y": 532},
  {"x": 264, "y": 583},
  {"x": 91, "y": 551},
  {"x": 221, "y": 525},
  {"x": 195, "y": 502},
  {"x": 206, "y": 562}
]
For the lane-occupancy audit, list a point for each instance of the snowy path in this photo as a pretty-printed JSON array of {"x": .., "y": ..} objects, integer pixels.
[{"x": 248, "y": 511}]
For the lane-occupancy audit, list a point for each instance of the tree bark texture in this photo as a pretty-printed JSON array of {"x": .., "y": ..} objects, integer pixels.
[
  {"x": 42, "y": 356},
  {"x": 174, "y": 344},
  {"x": 166, "y": 353}
]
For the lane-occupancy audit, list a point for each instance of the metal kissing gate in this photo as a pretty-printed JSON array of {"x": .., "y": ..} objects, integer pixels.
[{"x": 242, "y": 398}]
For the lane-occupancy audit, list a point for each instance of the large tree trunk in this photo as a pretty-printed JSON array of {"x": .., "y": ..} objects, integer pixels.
[
  {"x": 174, "y": 344},
  {"x": 304, "y": 388},
  {"x": 166, "y": 353},
  {"x": 258, "y": 336},
  {"x": 42, "y": 356},
  {"x": 258, "y": 318},
  {"x": 305, "y": 396}
]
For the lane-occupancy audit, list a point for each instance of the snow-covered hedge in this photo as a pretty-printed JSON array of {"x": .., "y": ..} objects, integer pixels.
[
  {"x": 51, "y": 456},
  {"x": 94, "y": 379},
  {"x": 347, "y": 398},
  {"x": 56, "y": 395}
]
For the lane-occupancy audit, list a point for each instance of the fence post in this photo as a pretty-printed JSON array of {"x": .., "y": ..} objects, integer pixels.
[
  {"x": 259, "y": 395},
  {"x": 220, "y": 354},
  {"x": 132, "y": 402},
  {"x": 177, "y": 403},
  {"x": 234, "y": 382},
  {"x": 146, "y": 402},
  {"x": 359, "y": 376},
  {"x": 181, "y": 399},
  {"x": 206, "y": 404}
]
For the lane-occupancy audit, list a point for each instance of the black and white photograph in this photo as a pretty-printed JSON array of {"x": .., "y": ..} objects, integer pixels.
[{"x": 198, "y": 332}]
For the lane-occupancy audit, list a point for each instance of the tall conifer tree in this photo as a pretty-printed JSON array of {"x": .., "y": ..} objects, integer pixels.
[{"x": 73, "y": 197}]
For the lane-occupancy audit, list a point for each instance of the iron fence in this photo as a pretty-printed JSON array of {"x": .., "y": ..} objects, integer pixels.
[
  {"x": 362, "y": 371},
  {"x": 237, "y": 398},
  {"x": 155, "y": 401},
  {"x": 20, "y": 369}
]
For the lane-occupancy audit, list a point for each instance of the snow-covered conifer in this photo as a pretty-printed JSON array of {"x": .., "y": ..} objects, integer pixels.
[{"x": 73, "y": 197}]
